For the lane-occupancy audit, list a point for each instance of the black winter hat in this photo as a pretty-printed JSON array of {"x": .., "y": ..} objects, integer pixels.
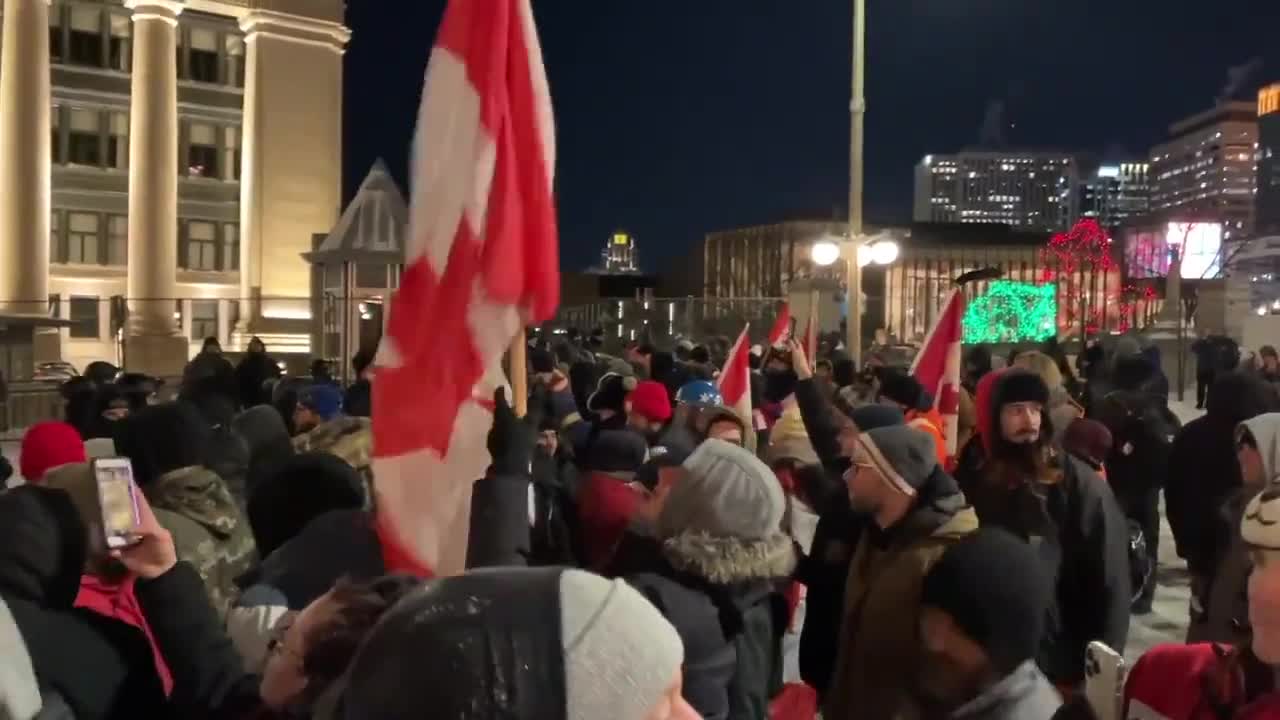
[
  {"x": 903, "y": 389},
  {"x": 159, "y": 439},
  {"x": 1019, "y": 385},
  {"x": 993, "y": 587},
  {"x": 611, "y": 392},
  {"x": 305, "y": 487},
  {"x": 1131, "y": 371},
  {"x": 617, "y": 451},
  {"x": 541, "y": 361}
]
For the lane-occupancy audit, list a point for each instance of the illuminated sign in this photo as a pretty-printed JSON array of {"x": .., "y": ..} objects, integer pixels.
[
  {"x": 621, "y": 239},
  {"x": 1147, "y": 251},
  {"x": 1269, "y": 100}
]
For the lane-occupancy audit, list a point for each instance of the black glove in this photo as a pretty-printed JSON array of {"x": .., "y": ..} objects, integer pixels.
[{"x": 511, "y": 440}]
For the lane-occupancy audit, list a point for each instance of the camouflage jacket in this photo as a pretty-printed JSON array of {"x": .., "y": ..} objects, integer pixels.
[
  {"x": 208, "y": 529},
  {"x": 350, "y": 438}
]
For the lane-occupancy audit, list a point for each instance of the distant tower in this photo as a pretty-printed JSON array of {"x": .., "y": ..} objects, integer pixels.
[{"x": 620, "y": 255}]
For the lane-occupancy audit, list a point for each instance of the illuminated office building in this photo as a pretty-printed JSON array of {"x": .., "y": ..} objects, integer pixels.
[
  {"x": 1027, "y": 190},
  {"x": 1207, "y": 169},
  {"x": 619, "y": 254},
  {"x": 1268, "y": 199},
  {"x": 1116, "y": 193}
]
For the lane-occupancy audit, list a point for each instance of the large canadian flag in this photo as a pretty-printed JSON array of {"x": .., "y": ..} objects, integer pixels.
[
  {"x": 735, "y": 385},
  {"x": 937, "y": 366},
  {"x": 481, "y": 262}
]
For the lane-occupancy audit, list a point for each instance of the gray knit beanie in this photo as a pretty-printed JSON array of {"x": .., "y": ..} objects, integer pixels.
[
  {"x": 727, "y": 492},
  {"x": 903, "y": 455},
  {"x": 620, "y": 653}
]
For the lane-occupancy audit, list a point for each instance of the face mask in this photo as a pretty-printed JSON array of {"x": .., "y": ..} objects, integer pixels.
[{"x": 779, "y": 384}]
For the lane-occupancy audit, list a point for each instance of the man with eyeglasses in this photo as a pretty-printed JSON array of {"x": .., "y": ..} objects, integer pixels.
[{"x": 915, "y": 513}]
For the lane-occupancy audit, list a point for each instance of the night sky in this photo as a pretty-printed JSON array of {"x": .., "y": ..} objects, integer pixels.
[{"x": 676, "y": 117}]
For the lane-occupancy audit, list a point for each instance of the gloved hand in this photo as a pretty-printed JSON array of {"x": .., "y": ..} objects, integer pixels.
[{"x": 511, "y": 439}]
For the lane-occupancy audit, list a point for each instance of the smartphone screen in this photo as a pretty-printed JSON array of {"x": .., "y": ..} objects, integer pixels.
[{"x": 115, "y": 496}]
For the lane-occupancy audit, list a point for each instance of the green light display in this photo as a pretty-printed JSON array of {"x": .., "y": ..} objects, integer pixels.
[{"x": 1012, "y": 312}]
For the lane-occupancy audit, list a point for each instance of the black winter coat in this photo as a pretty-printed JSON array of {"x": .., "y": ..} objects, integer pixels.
[
  {"x": 1204, "y": 472},
  {"x": 1081, "y": 536}
]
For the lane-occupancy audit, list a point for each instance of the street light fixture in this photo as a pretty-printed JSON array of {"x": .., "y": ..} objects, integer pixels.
[
  {"x": 878, "y": 252},
  {"x": 824, "y": 253}
]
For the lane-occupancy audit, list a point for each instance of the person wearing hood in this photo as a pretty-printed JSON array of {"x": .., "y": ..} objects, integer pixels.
[
  {"x": 983, "y": 605},
  {"x": 322, "y": 426},
  {"x": 211, "y": 370},
  {"x": 84, "y": 663},
  {"x": 227, "y": 452},
  {"x": 166, "y": 445},
  {"x": 47, "y": 446},
  {"x": 1142, "y": 431},
  {"x": 1211, "y": 681},
  {"x": 915, "y": 512},
  {"x": 253, "y": 372},
  {"x": 303, "y": 488},
  {"x": 1216, "y": 355},
  {"x": 1204, "y": 474},
  {"x": 1222, "y": 615},
  {"x": 1019, "y": 480},
  {"x": 358, "y": 400},
  {"x": 718, "y": 554},
  {"x": 267, "y": 438},
  {"x": 523, "y": 644},
  {"x": 309, "y": 652}
]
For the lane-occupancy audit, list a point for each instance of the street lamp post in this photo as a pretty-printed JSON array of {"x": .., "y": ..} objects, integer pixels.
[
  {"x": 823, "y": 254},
  {"x": 858, "y": 110}
]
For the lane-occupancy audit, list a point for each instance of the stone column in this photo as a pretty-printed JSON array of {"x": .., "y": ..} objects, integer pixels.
[
  {"x": 291, "y": 172},
  {"x": 24, "y": 158},
  {"x": 153, "y": 344}
]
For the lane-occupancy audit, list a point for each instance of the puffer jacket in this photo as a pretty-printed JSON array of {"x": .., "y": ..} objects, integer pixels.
[
  {"x": 350, "y": 438},
  {"x": 208, "y": 529},
  {"x": 879, "y": 654},
  {"x": 723, "y": 597},
  {"x": 1024, "y": 694}
]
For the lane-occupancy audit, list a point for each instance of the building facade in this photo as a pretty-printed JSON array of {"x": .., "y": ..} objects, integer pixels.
[
  {"x": 1029, "y": 190},
  {"x": 761, "y": 261},
  {"x": 198, "y": 231},
  {"x": 1116, "y": 193},
  {"x": 619, "y": 254},
  {"x": 1207, "y": 169},
  {"x": 1267, "y": 205}
]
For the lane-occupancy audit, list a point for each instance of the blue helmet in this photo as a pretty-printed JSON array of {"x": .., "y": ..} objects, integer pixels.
[{"x": 699, "y": 392}]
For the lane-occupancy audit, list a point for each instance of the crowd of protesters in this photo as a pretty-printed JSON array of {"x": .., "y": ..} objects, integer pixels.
[{"x": 638, "y": 550}]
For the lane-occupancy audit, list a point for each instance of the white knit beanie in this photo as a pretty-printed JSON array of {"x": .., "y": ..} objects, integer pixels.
[{"x": 620, "y": 653}]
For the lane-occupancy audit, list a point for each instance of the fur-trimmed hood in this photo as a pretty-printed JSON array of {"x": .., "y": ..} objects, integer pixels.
[{"x": 725, "y": 561}]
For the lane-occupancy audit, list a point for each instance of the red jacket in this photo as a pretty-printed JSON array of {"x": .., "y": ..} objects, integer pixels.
[
  {"x": 119, "y": 602},
  {"x": 1189, "y": 682},
  {"x": 606, "y": 507}
]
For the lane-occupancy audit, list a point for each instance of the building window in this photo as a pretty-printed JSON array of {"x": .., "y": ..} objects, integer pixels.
[
  {"x": 85, "y": 39},
  {"x": 201, "y": 246},
  {"x": 118, "y": 141},
  {"x": 84, "y": 318},
  {"x": 203, "y": 59},
  {"x": 55, "y": 128},
  {"x": 56, "y": 49},
  {"x": 84, "y": 145},
  {"x": 202, "y": 150},
  {"x": 56, "y": 253},
  {"x": 230, "y": 246},
  {"x": 120, "y": 43},
  {"x": 234, "y": 48},
  {"x": 117, "y": 240},
  {"x": 83, "y": 238},
  {"x": 204, "y": 319},
  {"x": 231, "y": 152}
]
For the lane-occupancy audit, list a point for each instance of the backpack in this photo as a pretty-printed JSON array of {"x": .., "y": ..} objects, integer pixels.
[{"x": 1142, "y": 432}]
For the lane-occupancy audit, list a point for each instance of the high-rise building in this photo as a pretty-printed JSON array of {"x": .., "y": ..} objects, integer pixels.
[
  {"x": 619, "y": 254},
  {"x": 1115, "y": 193},
  {"x": 1029, "y": 190},
  {"x": 1207, "y": 168},
  {"x": 1268, "y": 198},
  {"x": 174, "y": 155}
]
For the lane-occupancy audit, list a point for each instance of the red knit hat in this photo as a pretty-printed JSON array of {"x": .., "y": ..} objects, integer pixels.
[
  {"x": 47, "y": 445},
  {"x": 651, "y": 400}
]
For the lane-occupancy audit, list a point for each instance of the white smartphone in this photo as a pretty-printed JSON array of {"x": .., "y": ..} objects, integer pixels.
[
  {"x": 1104, "y": 674},
  {"x": 117, "y": 500}
]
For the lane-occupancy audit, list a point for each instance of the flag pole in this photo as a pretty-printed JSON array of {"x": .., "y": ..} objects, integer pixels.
[{"x": 519, "y": 369}]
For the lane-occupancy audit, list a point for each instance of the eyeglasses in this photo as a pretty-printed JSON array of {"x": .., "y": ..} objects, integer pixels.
[{"x": 276, "y": 643}]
